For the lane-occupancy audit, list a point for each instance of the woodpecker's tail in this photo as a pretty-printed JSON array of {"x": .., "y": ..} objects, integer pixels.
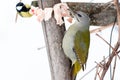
[{"x": 75, "y": 69}]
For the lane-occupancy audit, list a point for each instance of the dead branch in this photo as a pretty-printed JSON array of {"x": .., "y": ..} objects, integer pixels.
[
  {"x": 104, "y": 41},
  {"x": 41, "y": 47},
  {"x": 96, "y": 72},
  {"x": 114, "y": 68},
  {"x": 101, "y": 28},
  {"x": 100, "y": 14},
  {"x": 98, "y": 64},
  {"x": 109, "y": 61},
  {"x": 117, "y": 44}
]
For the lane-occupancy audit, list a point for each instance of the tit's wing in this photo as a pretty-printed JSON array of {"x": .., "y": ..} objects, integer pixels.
[
  {"x": 81, "y": 46},
  {"x": 25, "y": 14},
  {"x": 27, "y": 6}
]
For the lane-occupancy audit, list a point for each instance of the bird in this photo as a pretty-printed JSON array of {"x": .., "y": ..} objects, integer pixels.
[
  {"x": 23, "y": 9},
  {"x": 76, "y": 42}
]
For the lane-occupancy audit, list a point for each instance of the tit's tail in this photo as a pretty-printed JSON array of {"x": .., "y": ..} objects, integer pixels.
[{"x": 75, "y": 69}]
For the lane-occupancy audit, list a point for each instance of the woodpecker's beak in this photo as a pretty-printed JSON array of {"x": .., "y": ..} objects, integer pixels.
[{"x": 73, "y": 14}]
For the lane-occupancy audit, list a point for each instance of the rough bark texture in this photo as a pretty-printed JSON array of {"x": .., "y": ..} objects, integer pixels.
[
  {"x": 100, "y": 14},
  {"x": 59, "y": 64}
]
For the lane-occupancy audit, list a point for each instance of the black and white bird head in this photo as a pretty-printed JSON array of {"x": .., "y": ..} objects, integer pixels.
[{"x": 21, "y": 7}]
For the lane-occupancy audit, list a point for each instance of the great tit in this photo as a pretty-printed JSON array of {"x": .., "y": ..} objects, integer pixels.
[{"x": 23, "y": 9}]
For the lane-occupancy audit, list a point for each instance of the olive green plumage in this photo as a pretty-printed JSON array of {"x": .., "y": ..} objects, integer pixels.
[
  {"x": 76, "y": 42},
  {"x": 81, "y": 46}
]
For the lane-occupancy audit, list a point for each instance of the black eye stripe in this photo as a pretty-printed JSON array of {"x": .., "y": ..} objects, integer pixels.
[{"x": 79, "y": 15}]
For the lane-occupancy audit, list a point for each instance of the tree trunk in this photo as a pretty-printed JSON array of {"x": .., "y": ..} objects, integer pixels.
[{"x": 53, "y": 34}]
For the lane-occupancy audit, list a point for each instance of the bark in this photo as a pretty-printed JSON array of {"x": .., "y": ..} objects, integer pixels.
[
  {"x": 101, "y": 14},
  {"x": 53, "y": 34}
]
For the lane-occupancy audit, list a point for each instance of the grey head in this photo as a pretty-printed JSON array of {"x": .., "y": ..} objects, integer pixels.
[{"x": 81, "y": 17}]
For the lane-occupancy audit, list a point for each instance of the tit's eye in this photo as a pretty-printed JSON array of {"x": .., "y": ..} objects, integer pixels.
[{"x": 79, "y": 15}]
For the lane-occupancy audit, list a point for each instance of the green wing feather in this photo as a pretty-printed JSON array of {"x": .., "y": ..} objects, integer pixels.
[
  {"x": 81, "y": 47},
  {"x": 27, "y": 6},
  {"x": 82, "y": 40}
]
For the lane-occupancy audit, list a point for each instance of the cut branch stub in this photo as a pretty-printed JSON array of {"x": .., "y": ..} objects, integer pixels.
[{"x": 100, "y": 14}]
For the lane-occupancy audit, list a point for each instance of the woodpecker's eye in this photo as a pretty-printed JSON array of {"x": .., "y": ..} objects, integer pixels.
[{"x": 79, "y": 15}]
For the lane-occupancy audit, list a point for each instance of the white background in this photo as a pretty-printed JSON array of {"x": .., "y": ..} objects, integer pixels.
[{"x": 20, "y": 58}]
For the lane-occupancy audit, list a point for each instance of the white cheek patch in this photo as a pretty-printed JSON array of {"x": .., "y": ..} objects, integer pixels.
[{"x": 19, "y": 7}]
